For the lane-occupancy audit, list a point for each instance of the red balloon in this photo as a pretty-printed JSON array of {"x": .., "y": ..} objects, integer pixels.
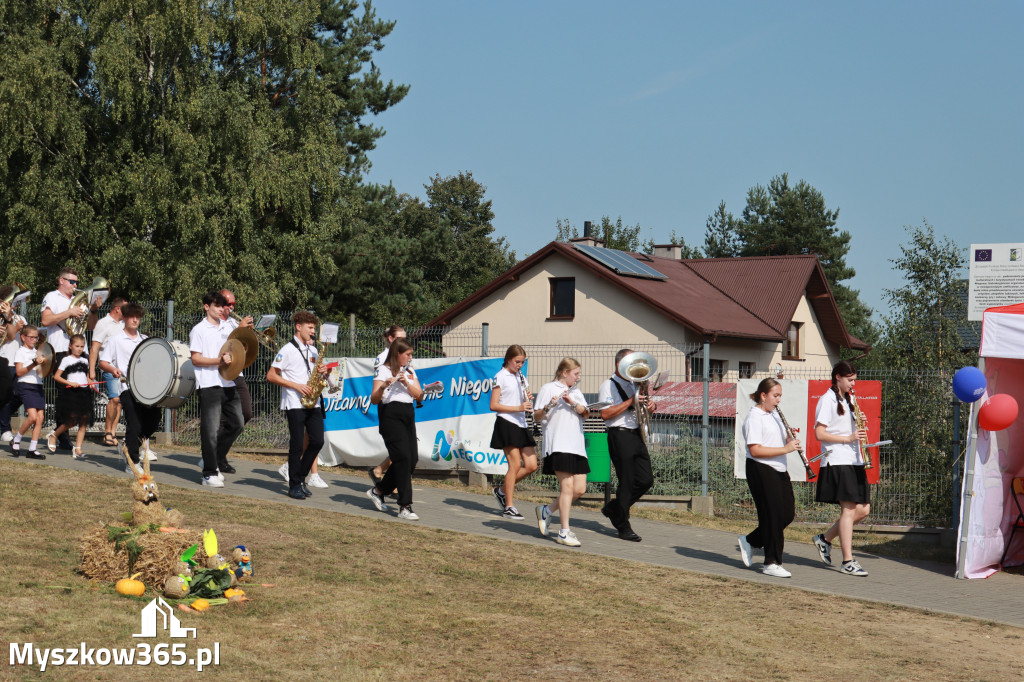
[{"x": 998, "y": 412}]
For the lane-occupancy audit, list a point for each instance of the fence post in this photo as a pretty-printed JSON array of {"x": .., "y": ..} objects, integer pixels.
[
  {"x": 352, "y": 333},
  {"x": 485, "y": 329},
  {"x": 705, "y": 426},
  {"x": 956, "y": 462},
  {"x": 170, "y": 337}
]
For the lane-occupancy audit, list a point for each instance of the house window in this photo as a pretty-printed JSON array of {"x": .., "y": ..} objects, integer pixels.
[
  {"x": 746, "y": 370},
  {"x": 791, "y": 346},
  {"x": 697, "y": 369},
  {"x": 563, "y": 298}
]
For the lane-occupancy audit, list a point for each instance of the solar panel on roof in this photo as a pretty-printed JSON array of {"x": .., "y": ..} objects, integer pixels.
[{"x": 620, "y": 262}]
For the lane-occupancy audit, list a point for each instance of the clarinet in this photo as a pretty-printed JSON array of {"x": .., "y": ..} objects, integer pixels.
[
  {"x": 862, "y": 423},
  {"x": 531, "y": 423},
  {"x": 799, "y": 451}
]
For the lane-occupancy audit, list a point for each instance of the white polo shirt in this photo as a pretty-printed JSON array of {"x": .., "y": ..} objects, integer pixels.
[
  {"x": 563, "y": 427},
  {"x": 827, "y": 413},
  {"x": 55, "y": 335},
  {"x": 296, "y": 365},
  {"x": 609, "y": 394},
  {"x": 119, "y": 348},
  {"x": 10, "y": 349},
  {"x": 207, "y": 340},
  {"x": 511, "y": 396},
  {"x": 26, "y": 356},
  {"x": 105, "y": 329}
]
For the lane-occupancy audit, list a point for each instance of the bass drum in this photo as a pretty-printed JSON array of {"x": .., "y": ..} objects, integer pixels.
[{"x": 160, "y": 373}]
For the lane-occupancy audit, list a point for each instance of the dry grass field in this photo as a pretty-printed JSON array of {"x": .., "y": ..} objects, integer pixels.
[{"x": 346, "y": 597}]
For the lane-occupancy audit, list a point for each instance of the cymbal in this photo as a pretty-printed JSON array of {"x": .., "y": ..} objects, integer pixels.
[
  {"x": 237, "y": 350},
  {"x": 248, "y": 338},
  {"x": 46, "y": 367}
]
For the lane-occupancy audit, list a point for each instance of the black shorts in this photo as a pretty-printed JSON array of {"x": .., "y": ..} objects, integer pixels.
[
  {"x": 566, "y": 462},
  {"x": 509, "y": 435},
  {"x": 31, "y": 395},
  {"x": 843, "y": 483}
]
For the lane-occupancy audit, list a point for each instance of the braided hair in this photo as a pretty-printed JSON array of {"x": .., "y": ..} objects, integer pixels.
[{"x": 842, "y": 369}]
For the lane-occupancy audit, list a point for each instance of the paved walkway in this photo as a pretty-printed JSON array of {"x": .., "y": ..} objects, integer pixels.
[{"x": 917, "y": 584}]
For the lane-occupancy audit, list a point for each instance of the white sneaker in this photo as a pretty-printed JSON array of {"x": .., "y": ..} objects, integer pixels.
[
  {"x": 7, "y": 437},
  {"x": 543, "y": 520},
  {"x": 408, "y": 514},
  {"x": 220, "y": 477},
  {"x": 284, "y": 471},
  {"x": 852, "y": 568},
  {"x": 745, "y": 550},
  {"x": 150, "y": 455},
  {"x": 137, "y": 469},
  {"x": 315, "y": 481},
  {"x": 568, "y": 539},
  {"x": 776, "y": 571},
  {"x": 213, "y": 482},
  {"x": 377, "y": 500}
]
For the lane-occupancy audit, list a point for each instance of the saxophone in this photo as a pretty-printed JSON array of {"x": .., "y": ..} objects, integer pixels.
[
  {"x": 316, "y": 382},
  {"x": 862, "y": 423}
]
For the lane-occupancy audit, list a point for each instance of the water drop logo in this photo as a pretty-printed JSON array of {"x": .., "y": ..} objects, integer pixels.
[{"x": 443, "y": 445}]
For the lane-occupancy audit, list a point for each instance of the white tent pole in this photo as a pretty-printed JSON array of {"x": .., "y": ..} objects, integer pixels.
[{"x": 968, "y": 489}]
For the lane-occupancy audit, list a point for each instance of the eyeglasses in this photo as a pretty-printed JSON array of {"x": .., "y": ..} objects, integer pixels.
[{"x": 229, "y": 304}]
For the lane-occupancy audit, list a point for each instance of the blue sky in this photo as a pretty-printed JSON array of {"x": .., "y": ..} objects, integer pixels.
[{"x": 898, "y": 112}]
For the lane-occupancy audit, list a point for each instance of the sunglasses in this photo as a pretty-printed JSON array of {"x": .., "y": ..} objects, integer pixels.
[{"x": 72, "y": 282}]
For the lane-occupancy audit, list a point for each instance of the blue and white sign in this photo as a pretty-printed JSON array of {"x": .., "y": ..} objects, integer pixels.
[{"x": 453, "y": 427}]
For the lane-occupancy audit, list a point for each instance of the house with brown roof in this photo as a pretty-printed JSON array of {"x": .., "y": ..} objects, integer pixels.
[{"x": 756, "y": 313}]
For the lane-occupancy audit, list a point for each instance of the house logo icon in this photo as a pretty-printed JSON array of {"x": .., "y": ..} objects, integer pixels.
[{"x": 158, "y": 611}]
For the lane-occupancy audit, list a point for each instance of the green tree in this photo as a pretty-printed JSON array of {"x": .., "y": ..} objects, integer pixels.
[
  {"x": 175, "y": 147},
  {"x": 789, "y": 220},
  {"x": 616, "y": 235}
]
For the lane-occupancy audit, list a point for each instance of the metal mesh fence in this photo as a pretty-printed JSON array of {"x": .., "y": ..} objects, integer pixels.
[{"x": 918, "y": 471}]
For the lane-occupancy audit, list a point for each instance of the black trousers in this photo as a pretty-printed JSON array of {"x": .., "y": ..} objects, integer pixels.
[
  {"x": 303, "y": 421},
  {"x": 398, "y": 427},
  {"x": 244, "y": 398},
  {"x": 773, "y": 496},
  {"x": 632, "y": 464},
  {"x": 12, "y": 402},
  {"x": 218, "y": 436},
  {"x": 141, "y": 421}
]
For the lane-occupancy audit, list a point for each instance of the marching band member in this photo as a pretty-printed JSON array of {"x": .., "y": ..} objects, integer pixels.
[
  {"x": 141, "y": 421},
  {"x": 395, "y": 331},
  {"x": 626, "y": 448},
  {"x": 30, "y": 390},
  {"x": 217, "y": 395},
  {"x": 768, "y": 478},
  {"x": 8, "y": 379},
  {"x": 111, "y": 324},
  {"x": 56, "y": 309},
  {"x": 243, "y": 388},
  {"x": 563, "y": 409},
  {"x": 291, "y": 370},
  {"x": 74, "y": 401},
  {"x": 394, "y": 389},
  {"x": 510, "y": 398},
  {"x": 842, "y": 479}
]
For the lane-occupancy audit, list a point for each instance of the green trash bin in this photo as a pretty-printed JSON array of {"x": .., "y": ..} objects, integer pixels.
[{"x": 597, "y": 456}]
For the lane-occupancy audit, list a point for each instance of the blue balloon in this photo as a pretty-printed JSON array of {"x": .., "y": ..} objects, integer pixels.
[{"x": 969, "y": 384}]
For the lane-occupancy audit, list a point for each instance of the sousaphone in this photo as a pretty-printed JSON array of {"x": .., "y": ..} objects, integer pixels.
[{"x": 638, "y": 367}]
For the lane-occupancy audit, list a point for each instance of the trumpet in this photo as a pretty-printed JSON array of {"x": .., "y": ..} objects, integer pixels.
[
  {"x": 78, "y": 325},
  {"x": 800, "y": 449},
  {"x": 639, "y": 367},
  {"x": 862, "y": 424},
  {"x": 531, "y": 422},
  {"x": 264, "y": 336}
]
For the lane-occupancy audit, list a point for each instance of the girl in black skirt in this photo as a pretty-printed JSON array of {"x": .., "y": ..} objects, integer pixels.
[
  {"x": 563, "y": 409},
  {"x": 842, "y": 479},
  {"x": 510, "y": 398},
  {"x": 74, "y": 398},
  {"x": 768, "y": 478},
  {"x": 395, "y": 387}
]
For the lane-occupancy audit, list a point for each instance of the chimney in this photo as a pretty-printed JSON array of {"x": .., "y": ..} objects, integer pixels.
[
  {"x": 588, "y": 237},
  {"x": 672, "y": 251}
]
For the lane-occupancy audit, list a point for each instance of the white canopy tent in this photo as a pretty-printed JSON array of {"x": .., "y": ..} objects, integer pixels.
[{"x": 993, "y": 458}]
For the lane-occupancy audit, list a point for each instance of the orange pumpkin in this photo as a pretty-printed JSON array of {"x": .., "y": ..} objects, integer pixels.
[{"x": 131, "y": 586}]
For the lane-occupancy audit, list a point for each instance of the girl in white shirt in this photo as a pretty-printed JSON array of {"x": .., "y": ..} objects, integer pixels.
[
  {"x": 768, "y": 478},
  {"x": 30, "y": 390},
  {"x": 563, "y": 409},
  {"x": 395, "y": 387},
  {"x": 842, "y": 479},
  {"x": 74, "y": 397},
  {"x": 512, "y": 400}
]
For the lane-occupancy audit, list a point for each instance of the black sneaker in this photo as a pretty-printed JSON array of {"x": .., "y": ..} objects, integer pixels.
[
  {"x": 305, "y": 490},
  {"x": 824, "y": 548},
  {"x": 512, "y": 513},
  {"x": 499, "y": 495}
]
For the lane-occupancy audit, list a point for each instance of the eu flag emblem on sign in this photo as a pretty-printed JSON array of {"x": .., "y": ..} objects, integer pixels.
[{"x": 983, "y": 255}]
